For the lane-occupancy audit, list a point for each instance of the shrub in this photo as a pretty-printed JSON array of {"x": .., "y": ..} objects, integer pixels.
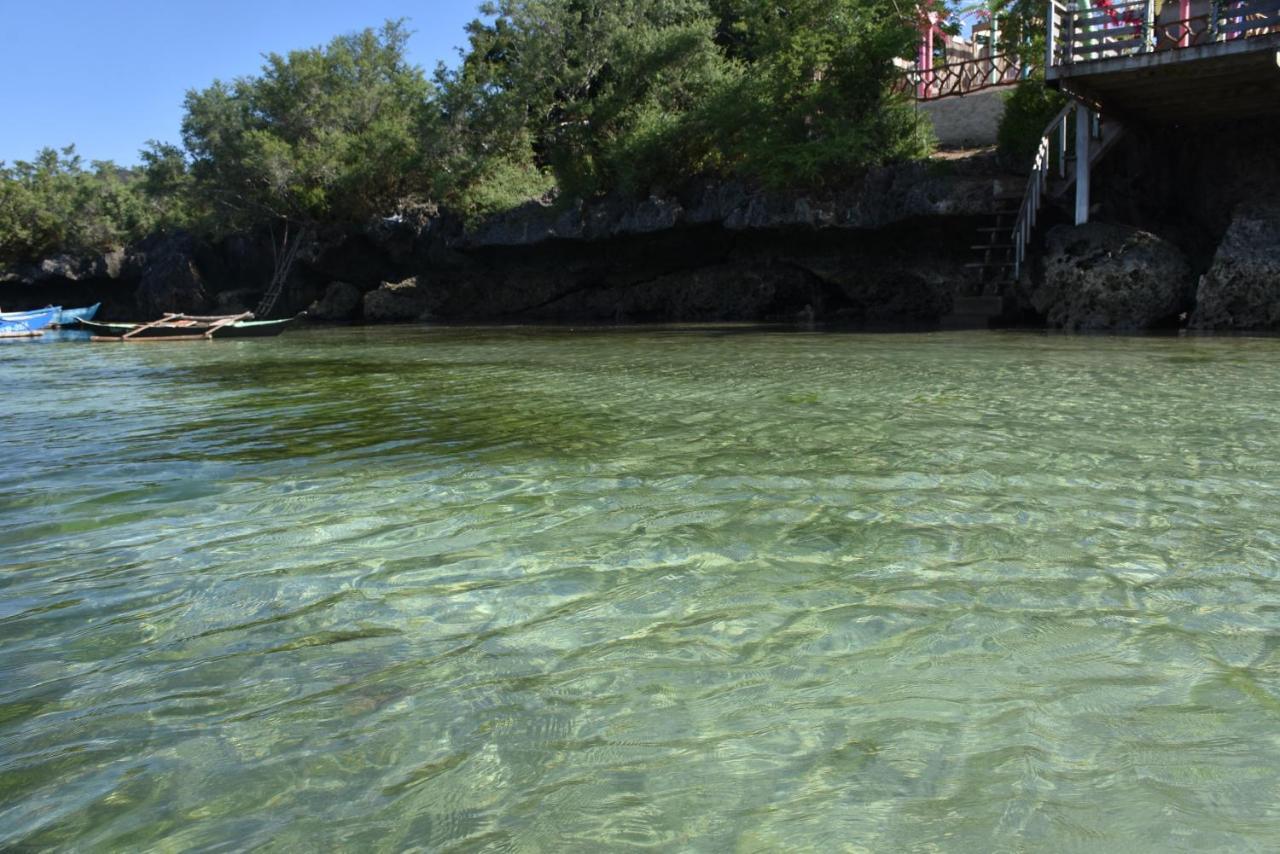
[{"x": 1027, "y": 111}]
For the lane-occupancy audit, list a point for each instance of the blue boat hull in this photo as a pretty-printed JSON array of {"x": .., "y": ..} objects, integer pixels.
[
  {"x": 72, "y": 316},
  {"x": 32, "y": 321},
  {"x": 12, "y": 329}
]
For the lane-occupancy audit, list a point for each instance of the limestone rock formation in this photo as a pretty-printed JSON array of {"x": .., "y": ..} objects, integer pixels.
[
  {"x": 1103, "y": 277},
  {"x": 883, "y": 197},
  {"x": 236, "y": 301},
  {"x": 113, "y": 265},
  {"x": 1242, "y": 288},
  {"x": 340, "y": 301},
  {"x": 170, "y": 280},
  {"x": 398, "y": 301}
]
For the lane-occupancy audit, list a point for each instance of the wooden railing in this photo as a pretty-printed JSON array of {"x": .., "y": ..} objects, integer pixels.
[
  {"x": 1051, "y": 156},
  {"x": 1132, "y": 27},
  {"x": 961, "y": 78}
]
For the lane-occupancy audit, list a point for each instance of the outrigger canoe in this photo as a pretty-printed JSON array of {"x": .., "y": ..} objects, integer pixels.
[
  {"x": 71, "y": 316},
  {"x": 31, "y": 321},
  {"x": 188, "y": 327}
]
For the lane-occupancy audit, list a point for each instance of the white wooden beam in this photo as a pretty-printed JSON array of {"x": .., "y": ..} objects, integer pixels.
[{"x": 1083, "y": 166}]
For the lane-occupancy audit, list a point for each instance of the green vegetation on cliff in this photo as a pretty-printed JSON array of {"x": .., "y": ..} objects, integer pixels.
[
  {"x": 54, "y": 204},
  {"x": 568, "y": 97}
]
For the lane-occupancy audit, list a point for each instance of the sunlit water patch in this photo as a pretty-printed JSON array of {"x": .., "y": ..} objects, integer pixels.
[{"x": 694, "y": 589}]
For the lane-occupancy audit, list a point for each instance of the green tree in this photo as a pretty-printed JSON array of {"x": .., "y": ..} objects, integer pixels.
[
  {"x": 54, "y": 204},
  {"x": 628, "y": 94},
  {"x": 815, "y": 106},
  {"x": 332, "y": 134},
  {"x": 604, "y": 90}
]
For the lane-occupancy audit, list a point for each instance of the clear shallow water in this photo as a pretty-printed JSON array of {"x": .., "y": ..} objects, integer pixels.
[{"x": 519, "y": 590}]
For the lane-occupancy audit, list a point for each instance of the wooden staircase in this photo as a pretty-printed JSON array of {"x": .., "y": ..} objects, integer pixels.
[
  {"x": 993, "y": 269},
  {"x": 994, "y": 246},
  {"x": 1002, "y": 243}
]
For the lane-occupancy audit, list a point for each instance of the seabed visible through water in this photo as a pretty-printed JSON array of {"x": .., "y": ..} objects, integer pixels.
[{"x": 688, "y": 589}]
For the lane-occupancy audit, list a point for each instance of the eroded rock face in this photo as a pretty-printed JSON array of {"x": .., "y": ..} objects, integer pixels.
[
  {"x": 113, "y": 265},
  {"x": 340, "y": 302},
  {"x": 883, "y": 197},
  {"x": 731, "y": 291},
  {"x": 170, "y": 280},
  {"x": 398, "y": 301},
  {"x": 1242, "y": 288},
  {"x": 1102, "y": 277},
  {"x": 236, "y": 301}
]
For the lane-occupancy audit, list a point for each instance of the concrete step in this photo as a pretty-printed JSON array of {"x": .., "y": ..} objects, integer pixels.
[
  {"x": 966, "y": 321},
  {"x": 974, "y": 312},
  {"x": 986, "y": 306}
]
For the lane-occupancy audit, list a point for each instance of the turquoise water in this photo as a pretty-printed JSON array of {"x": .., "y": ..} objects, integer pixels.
[{"x": 666, "y": 589}]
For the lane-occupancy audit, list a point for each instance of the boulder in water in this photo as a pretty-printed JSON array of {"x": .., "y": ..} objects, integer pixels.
[
  {"x": 1242, "y": 288},
  {"x": 1102, "y": 277},
  {"x": 340, "y": 301},
  {"x": 398, "y": 301}
]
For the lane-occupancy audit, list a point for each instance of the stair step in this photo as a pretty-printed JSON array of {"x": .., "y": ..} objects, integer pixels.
[
  {"x": 965, "y": 321},
  {"x": 986, "y": 306},
  {"x": 989, "y": 246},
  {"x": 993, "y": 265},
  {"x": 996, "y": 229}
]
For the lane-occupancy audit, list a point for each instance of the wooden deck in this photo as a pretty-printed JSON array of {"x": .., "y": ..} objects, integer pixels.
[{"x": 1221, "y": 61}]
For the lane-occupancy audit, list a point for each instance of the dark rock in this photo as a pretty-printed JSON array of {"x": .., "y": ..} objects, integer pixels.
[
  {"x": 341, "y": 301},
  {"x": 170, "y": 280},
  {"x": 1242, "y": 288},
  {"x": 398, "y": 301},
  {"x": 885, "y": 196},
  {"x": 236, "y": 301},
  {"x": 731, "y": 291},
  {"x": 398, "y": 236},
  {"x": 114, "y": 265},
  {"x": 1103, "y": 277}
]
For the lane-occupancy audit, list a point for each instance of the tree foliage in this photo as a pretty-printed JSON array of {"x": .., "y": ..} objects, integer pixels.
[
  {"x": 550, "y": 98},
  {"x": 54, "y": 204},
  {"x": 1027, "y": 112},
  {"x": 625, "y": 94},
  {"x": 324, "y": 134}
]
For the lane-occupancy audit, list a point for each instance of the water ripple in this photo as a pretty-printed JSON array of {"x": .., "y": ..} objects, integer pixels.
[{"x": 516, "y": 590}]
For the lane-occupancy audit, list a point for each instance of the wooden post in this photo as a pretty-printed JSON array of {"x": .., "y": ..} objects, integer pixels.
[
  {"x": 1061, "y": 133},
  {"x": 1149, "y": 27},
  {"x": 1083, "y": 139},
  {"x": 997, "y": 75},
  {"x": 1068, "y": 36},
  {"x": 1050, "y": 26}
]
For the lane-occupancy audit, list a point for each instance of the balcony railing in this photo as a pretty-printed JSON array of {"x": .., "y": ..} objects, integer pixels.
[
  {"x": 960, "y": 78},
  {"x": 1131, "y": 28}
]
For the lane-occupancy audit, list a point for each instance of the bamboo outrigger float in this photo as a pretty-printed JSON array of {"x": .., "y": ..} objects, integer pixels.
[{"x": 188, "y": 327}]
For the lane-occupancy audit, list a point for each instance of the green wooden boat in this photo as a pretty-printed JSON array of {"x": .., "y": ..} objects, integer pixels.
[{"x": 188, "y": 327}]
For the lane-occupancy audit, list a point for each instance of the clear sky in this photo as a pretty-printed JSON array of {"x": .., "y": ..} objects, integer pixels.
[{"x": 110, "y": 74}]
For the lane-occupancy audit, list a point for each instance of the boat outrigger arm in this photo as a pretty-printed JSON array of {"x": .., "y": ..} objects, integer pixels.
[{"x": 216, "y": 322}]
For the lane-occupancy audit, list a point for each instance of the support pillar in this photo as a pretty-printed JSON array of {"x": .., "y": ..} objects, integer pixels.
[{"x": 1084, "y": 138}]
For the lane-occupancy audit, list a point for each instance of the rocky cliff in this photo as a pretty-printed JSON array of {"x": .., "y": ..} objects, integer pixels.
[{"x": 887, "y": 252}]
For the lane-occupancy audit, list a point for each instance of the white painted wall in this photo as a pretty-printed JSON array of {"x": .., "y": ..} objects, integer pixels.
[{"x": 967, "y": 121}]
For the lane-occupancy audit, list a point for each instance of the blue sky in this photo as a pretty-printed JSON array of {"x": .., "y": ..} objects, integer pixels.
[{"x": 110, "y": 75}]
